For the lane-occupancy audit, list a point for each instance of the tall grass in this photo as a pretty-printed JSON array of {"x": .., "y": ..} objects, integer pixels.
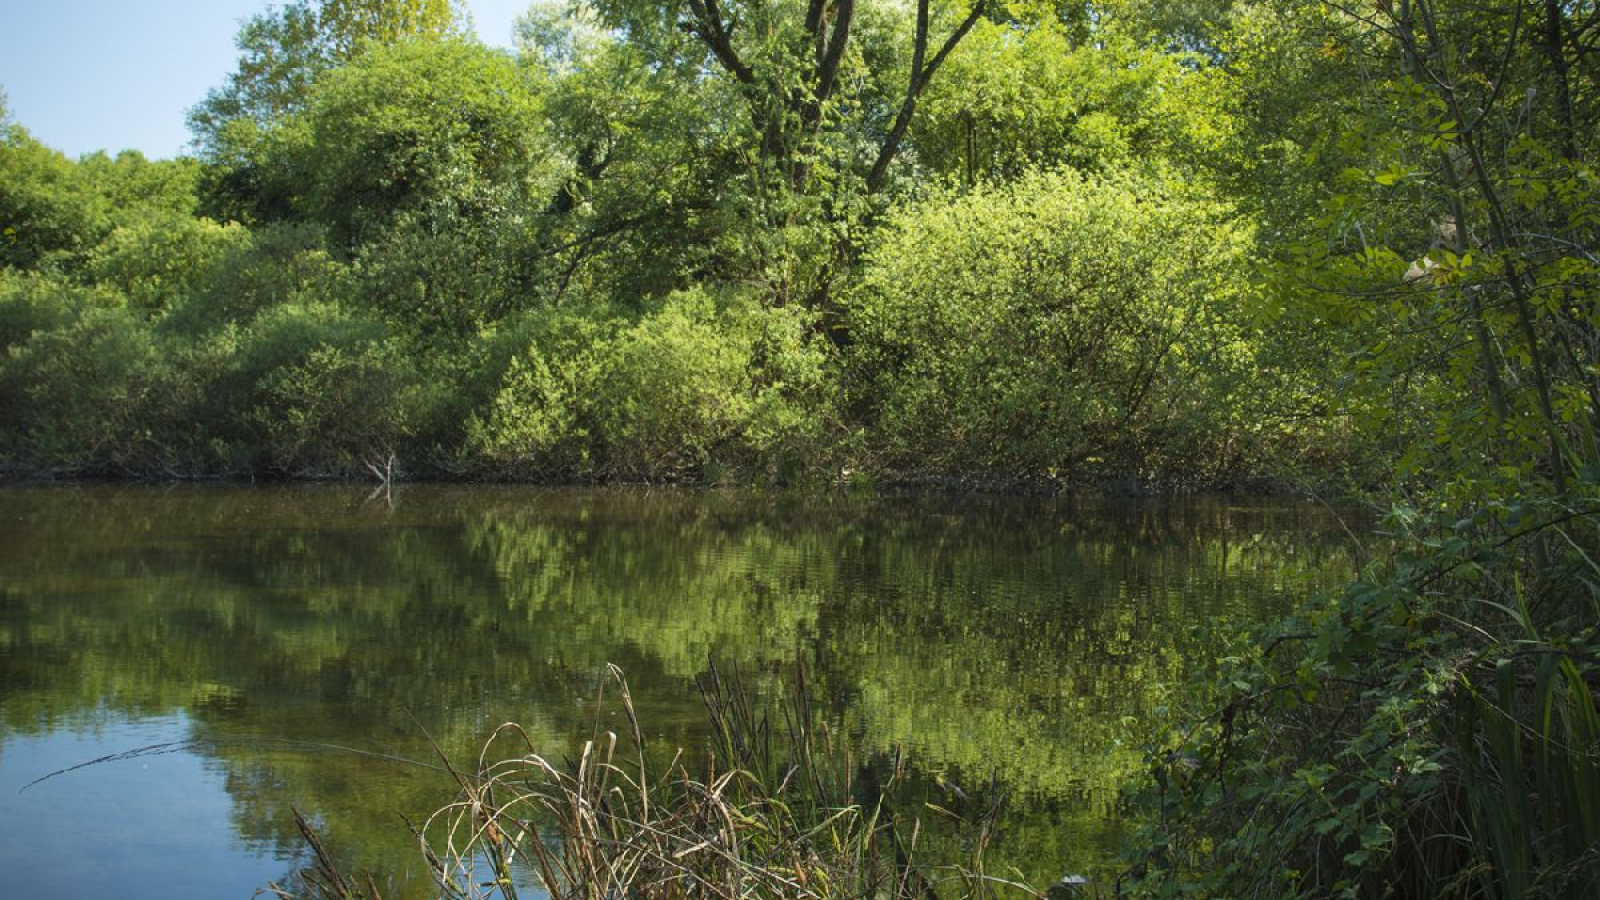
[{"x": 775, "y": 811}]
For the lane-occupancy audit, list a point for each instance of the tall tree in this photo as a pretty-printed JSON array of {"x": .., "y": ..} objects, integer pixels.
[
  {"x": 825, "y": 92},
  {"x": 283, "y": 50},
  {"x": 1458, "y": 241}
]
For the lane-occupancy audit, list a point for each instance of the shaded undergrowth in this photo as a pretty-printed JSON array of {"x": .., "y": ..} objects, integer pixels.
[{"x": 1430, "y": 731}]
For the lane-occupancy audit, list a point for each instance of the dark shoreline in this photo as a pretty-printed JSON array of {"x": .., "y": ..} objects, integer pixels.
[{"x": 929, "y": 483}]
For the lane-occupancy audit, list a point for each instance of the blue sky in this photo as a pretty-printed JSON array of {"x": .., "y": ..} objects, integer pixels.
[{"x": 85, "y": 75}]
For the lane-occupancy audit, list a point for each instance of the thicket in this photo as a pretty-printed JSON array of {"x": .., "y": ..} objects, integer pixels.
[
  {"x": 596, "y": 259},
  {"x": 1060, "y": 322},
  {"x": 1431, "y": 730},
  {"x": 1185, "y": 242}
]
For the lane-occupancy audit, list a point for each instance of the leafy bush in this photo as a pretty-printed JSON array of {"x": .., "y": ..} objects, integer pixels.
[
  {"x": 337, "y": 410},
  {"x": 34, "y": 303},
  {"x": 1431, "y": 731},
  {"x": 446, "y": 277},
  {"x": 156, "y": 261},
  {"x": 699, "y": 379},
  {"x": 87, "y": 395},
  {"x": 278, "y": 264},
  {"x": 676, "y": 390},
  {"x": 1063, "y": 322},
  {"x": 538, "y": 421},
  {"x": 305, "y": 388}
]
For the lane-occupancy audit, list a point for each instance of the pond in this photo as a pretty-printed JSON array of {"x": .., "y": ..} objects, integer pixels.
[{"x": 230, "y": 654}]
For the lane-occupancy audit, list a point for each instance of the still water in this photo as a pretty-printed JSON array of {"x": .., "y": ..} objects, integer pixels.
[{"x": 231, "y": 654}]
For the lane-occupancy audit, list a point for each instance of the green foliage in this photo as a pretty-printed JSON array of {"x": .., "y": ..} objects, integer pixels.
[
  {"x": 1245, "y": 302},
  {"x": 648, "y": 159},
  {"x": 46, "y": 214},
  {"x": 537, "y": 422},
  {"x": 1430, "y": 730},
  {"x": 1065, "y": 322},
  {"x": 250, "y": 176},
  {"x": 87, "y": 396},
  {"x": 337, "y": 410},
  {"x": 352, "y": 26},
  {"x": 284, "y": 50},
  {"x": 134, "y": 186},
  {"x": 31, "y": 303},
  {"x": 1169, "y": 240},
  {"x": 53, "y": 211},
  {"x": 443, "y": 275},
  {"x": 1016, "y": 97},
  {"x": 157, "y": 261},
  {"x": 698, "y": 380},
  {"x": 445, "y": 130},
  {"x": 93, "y": 384},
  {"x": 271, "y": 265},
  {"x": 1432, "y": 225},
  {"x": 313, "y": 389}
]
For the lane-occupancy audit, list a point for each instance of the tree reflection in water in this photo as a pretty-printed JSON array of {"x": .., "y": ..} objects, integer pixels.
[{"x": 1023, "y": 641}]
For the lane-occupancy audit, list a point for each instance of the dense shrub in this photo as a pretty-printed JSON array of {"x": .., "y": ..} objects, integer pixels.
[
  {"x": 1429, "y": 731},
  {"x": 444, "y": 279},
  {"x": 538, "y": 421},
  {"x": 314, "y": 389},
  {"x": 278, "y": 264},
  {"x": 88, "y": 384},
  {"x": 33, "y": 303},
  {"x": 1068, "y": 322},
  {"x": 89, "y": 395},
  {"x": 158, "y": 260},
  {"x": 698, "y": 380},
  {"x": 337, "y": 410}
]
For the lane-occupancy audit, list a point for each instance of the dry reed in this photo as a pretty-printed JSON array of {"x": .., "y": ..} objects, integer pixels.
[{"x": 770, "y": 819}]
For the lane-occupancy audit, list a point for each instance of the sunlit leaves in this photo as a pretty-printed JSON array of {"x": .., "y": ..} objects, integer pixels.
[{"x": 1053, "y": 322}]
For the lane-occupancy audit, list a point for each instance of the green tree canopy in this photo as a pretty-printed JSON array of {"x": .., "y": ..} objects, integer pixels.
[
  {"x": 283, "y": 50},
  {"x": 425, "y": 127}
]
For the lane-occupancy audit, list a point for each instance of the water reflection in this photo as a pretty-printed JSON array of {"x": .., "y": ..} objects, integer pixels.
[{"x": 989, "y": 638}]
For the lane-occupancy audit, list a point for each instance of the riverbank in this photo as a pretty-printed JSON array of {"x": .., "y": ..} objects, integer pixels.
[{"x": 846, "y": 480}]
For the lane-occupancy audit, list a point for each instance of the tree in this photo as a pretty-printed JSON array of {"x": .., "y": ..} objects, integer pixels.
[
  {"x": 1462, "y": 211},
  {"x": 283, "y": 50},
  {"x": 46, "y": 211},
  {"x": 1021, "y": 94},
  {"x": 815, "y": 123},
  {"x": 648, "y": 153},
  {"x": 350, "y": 26},
  {"x": 428, "y": 162},
  {"x": 54, "y": 210},
  {"x": 424, "y": 127}
]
